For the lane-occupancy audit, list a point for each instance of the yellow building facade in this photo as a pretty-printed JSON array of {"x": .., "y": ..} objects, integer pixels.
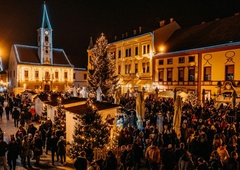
[
  {"x": 206, "y": 63},
  {"x": 133, "y": 56}
]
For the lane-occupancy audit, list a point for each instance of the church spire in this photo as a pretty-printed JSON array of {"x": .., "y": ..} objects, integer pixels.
[
  {"x": 45, "y": 46},
  {"x": 45, "y": 19}
]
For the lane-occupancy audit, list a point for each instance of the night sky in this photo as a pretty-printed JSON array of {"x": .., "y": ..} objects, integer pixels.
[{"x": 75, "y": 21}]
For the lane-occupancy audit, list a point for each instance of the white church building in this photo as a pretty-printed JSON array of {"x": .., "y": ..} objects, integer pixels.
[{"x": 42, "y": 67}]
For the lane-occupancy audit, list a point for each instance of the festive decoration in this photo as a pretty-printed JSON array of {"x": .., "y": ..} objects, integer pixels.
[
  {"x": 89, "y": 129},
  {"x": 60, "y": 117},
  {"x": 103, "y": 71},
  {"x": 192, "y": 99}
]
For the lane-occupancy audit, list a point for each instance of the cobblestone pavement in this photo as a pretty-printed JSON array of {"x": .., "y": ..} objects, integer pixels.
[{"x": 45, "y": 161}]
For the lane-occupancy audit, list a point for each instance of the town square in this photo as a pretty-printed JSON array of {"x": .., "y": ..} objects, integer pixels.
[{"x": 163, "y": 96}]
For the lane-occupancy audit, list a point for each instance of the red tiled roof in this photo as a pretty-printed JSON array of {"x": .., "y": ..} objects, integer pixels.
[
  {"x": 29, "y": 55},
  {"x": 207, "y": 34}
]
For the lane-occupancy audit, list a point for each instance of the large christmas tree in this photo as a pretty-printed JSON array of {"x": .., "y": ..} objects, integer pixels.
[
  {"x": 103, "y": 71},
  {"x": 89, "y": 129}
]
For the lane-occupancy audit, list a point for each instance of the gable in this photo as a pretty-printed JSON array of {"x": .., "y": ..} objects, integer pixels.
[{"x": 29, "y": 55}]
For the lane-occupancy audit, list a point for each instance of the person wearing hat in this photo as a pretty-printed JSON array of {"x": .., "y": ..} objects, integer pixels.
[
  {"x": 13, "y": 152},
  {"x": 3, "y": 149}
]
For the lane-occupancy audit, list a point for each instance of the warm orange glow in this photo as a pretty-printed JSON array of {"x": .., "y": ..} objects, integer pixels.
[{"x": 162, "y": 48}]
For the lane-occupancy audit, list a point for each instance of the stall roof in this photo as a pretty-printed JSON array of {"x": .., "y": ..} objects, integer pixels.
[{"x": 100, "y": 106}]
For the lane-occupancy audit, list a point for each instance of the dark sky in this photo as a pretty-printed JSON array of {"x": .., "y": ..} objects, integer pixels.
[{"x": 74, "y": 21}]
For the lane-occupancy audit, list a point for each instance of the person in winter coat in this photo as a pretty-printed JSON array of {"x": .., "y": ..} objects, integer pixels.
[
  {"x": 26, "y": 151},
  {"x": 223, "y": 153},
  {"x": 215, "y": 162},
  {"x": 7, "y": 110},
  {"x": 61, "y": 144},
  {"x": 53, "y": 145},
  {"x": 12, "y": 154},
  {"x": 37, "y": 148},
  {"x": 186, "y": 162},
  {"x": 232, "y": 163},
  {"x": 168, "y": 158},
  {"x": 123, "y": 156},
  {"x": 16, "y": 115},
  {"x": 129, "y": 162},
  {"x": 110, "y": 162},
  {"x": 81, "y": 161},
  {"x": 3, "y": 149},
  {"x": 152, "y": 155},
  {"x": 202, "y": 164}
]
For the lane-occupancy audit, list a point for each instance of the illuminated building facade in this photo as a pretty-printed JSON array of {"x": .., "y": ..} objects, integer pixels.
[
  {"x": 203, "y": 59},
  {"x": 133, "y": 55},
  {"x": 41, "y": 67}
]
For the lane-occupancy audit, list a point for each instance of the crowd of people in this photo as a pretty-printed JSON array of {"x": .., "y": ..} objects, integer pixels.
[
  {"x": 209, "y": 137},
  {"x": 31, "y": 139}
]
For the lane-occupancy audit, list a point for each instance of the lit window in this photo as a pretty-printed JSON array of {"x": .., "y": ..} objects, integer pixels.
[
  {"x": 229, "y": 72},
  {"x": 169, "y": 61},
  {"x": 36, "y": 74},
  {"x": 160, "y": 75},
  {"x": 26, "y": 73},
  {"x": 191, "y": 73},
  {"x": 207, "y": 73},
  {"x": 181, "y": 74},
  {"x": 181, "y": 60},
  {"x": 169, "y": 74},
  {"x": 56, "y": 75}
]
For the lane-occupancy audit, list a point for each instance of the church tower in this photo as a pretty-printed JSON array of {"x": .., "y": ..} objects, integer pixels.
[{"x": 45, "y": 39}]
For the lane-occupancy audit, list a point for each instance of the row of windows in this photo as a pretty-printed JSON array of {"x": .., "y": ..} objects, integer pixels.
[
  {"x": 180, "y": 60},
  {"x": 191, "y": 74},
  {"x": 145, "y": 68},
  {"x": 229, "y": 73},
  {"x": 47, "y": 75},
  {"x": 128, "y": 51}
]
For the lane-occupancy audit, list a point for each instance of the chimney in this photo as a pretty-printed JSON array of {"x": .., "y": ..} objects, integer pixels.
[
  {"x": 122, "y": 35},
  {"x": 115, "y": 37},
  {"x": 140, "y": 30},
  {"x": 134, "y": 32},
  {"x": 126, "y": 34},
  {"x": 171, "y": 20},
  {"x": 162, "y": 23}
]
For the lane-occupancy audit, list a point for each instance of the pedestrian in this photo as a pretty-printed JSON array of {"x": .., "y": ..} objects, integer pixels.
[
  {"x": 1, "y": 111},
  {"x": 7, "y": 110},
  {"x": 31, "y": 129},
  {"x": 89, "y": 152},
  {"x": 123, "y": 155},
  {"x": 13, "y": 152},
  {"x": 3, "y": 149},
  {"x": 232, "y": 162},
  {"x": 26, "y": 151},
  {"x": 15, "y": 116},
  {"x": 93, "y": 166},
  {"x": 202, "y": 164},
  {"x": 52, "y": 142},
  {"x": 186, "y": 162},
  {"x": 37, "y": 148},
  {"x": 61, "y": 144},
  {"x": 22, "y": 118},
  {"x": 152, "y": 155},
  {"x": 129, "y": 162},
  {"x": 111, "y": 161},
  {"x": 168, "y": 158},
  {"x": 81, "y": 161}
]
